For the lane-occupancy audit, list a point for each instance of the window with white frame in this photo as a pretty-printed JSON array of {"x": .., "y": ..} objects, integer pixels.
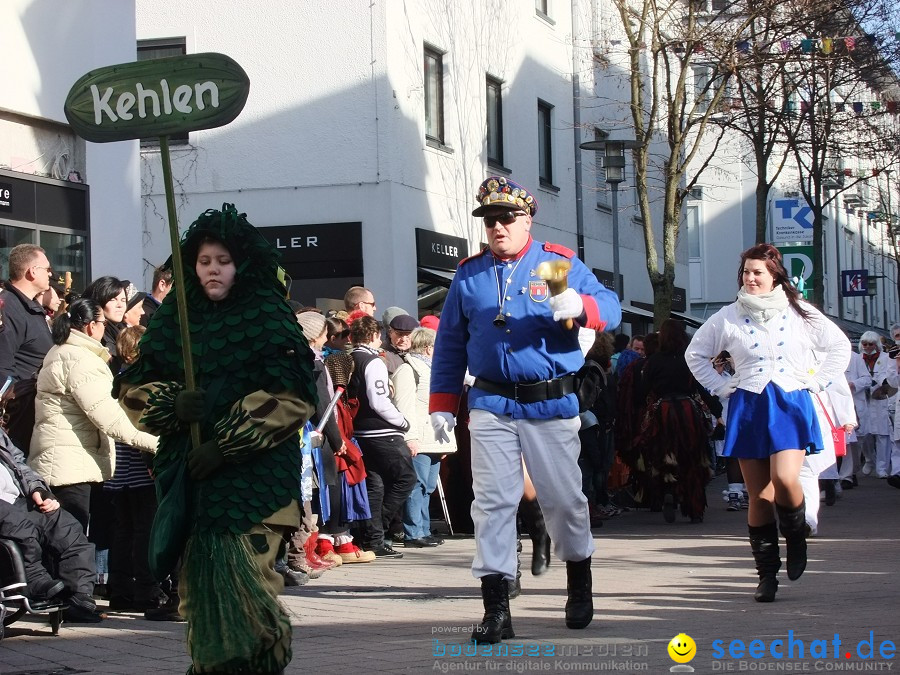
[
  {"x": 545, "y": 143},
  {"x": 494, "y": 121},
  {"x": 702, "y": 87},
  {"x": 434, "y": 95}
]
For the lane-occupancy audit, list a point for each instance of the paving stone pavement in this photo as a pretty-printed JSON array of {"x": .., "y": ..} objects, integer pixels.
[{"x": 652, "y": 580}]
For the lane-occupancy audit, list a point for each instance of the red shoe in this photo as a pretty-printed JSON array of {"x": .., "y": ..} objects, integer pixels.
[
  {"x": 313, "y": 559},
  {"x": 351, "y": 553},
  {"x": 325, "y": 550}
]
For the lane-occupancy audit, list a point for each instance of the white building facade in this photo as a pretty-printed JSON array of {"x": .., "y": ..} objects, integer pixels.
[
  {"x": 80, "y": 201},
  {"x": 369, "y": 127}
]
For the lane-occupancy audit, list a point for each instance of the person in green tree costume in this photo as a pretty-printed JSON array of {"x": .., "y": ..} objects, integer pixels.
[{"x": 226, "y": 506}]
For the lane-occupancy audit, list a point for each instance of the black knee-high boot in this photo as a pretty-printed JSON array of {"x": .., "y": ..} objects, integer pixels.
[
  {"x": 579, "y": 603},
  {"x": 533, "y": 519},
  {"x": 515, "y": 586},
  {"x": 764, "y": 542},
  {"x": 792, "y": 522}
]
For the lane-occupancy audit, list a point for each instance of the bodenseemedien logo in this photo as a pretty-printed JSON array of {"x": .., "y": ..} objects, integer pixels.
[{"x": 682, "y": 649}]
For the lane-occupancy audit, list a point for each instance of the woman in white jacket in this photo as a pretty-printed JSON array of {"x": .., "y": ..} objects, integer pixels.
[
  {"x": 770, "y": 334},
  {"x": 874, "y": 418},
  {"x": 76, "y": 417}
]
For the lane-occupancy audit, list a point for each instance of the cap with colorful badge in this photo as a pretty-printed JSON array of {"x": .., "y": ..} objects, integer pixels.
[{"x": 502, "y": 192}]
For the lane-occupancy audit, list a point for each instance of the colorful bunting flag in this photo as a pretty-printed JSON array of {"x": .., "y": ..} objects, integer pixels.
[
  {"x": 839, "y": 107},
  {"x": 850, "y": 43},
  {"x": 827, "y": 45},
  {"x": 857, "y": 107},
  {"x": 785, "y": 46},
  {"x": 806, "y": 45}
]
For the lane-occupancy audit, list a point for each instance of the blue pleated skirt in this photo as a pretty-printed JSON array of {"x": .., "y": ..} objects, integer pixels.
[{"x": 759, "y": 425}]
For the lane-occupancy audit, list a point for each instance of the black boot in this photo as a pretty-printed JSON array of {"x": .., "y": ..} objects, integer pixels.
[
  {"x": 764, "y": 542},
  {"x": 515, "y": 587},
  {"x": 792, "y": 523},
  {"x": 497, "y": 622},
  {"x": 580, "y": 603},
  {"x": 537, "y": 530}
]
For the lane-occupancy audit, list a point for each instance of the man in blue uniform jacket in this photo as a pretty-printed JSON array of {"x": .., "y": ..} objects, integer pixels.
[{"x": 500, "y": 322}]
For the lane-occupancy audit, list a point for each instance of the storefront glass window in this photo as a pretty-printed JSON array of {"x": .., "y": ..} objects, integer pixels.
[
  {"x": 66, "y": 253},
  {"x": 11, "y": 237}
]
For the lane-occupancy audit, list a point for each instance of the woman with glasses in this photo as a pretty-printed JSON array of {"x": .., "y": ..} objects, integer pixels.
[
  {"x": 77, "y": 419},
  {"x": 771, "y": 334}
]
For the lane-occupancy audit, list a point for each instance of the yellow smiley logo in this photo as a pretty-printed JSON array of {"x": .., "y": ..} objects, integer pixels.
[{"x": 682, "y": 648}]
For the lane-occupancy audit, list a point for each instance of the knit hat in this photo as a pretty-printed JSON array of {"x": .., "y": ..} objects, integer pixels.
[
  {"x": 429, "y": 321},
  {"x": 312, "y": 323},
  {"x": 390, "y": 314}
]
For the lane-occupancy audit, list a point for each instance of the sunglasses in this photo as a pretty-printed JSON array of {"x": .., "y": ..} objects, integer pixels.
[
  {"x": 867, "y": 344},
  {"x": 343, "y": 335},
  {"x": 507, "y": 218}
]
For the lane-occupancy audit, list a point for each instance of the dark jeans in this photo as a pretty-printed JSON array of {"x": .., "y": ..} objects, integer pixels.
[
  {"x": 390, "y": 479},
  {"x": 57, "y": 534},
  {"x": 76, "y": 499},
  {"x": 596, "y": 460},
  {"x": 129, "y": 570}
]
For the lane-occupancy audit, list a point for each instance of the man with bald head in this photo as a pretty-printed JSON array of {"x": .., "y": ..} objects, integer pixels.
[{"x": 359, "y": 298}]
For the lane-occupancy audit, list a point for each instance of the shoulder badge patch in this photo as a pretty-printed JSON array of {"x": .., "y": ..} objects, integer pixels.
[{"x": 559, "y": 249}]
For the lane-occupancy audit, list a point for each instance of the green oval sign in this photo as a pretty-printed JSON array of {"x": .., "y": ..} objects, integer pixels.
[{"x": 157, "y": 97}]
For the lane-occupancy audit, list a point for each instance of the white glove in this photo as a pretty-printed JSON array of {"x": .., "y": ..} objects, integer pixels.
[
  {"x": 566, "y": 305},
  {"x": 316, "y": 440},
  {"x": 727, "y": 389},
  {"x": 442, "y": 423},
  {"x": 814, "y": 386}
]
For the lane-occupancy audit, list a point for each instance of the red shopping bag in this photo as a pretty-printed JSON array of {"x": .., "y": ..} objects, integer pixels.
[{"x": 838, "y": 435}]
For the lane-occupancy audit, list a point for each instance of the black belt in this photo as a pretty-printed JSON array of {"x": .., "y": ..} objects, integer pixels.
[{"x": 530, "y": 392}]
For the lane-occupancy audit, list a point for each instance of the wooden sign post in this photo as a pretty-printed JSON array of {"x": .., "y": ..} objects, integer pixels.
[{"x": 160, "y": 97}]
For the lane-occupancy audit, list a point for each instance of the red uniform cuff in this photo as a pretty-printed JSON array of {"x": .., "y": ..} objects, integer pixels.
[
  {"x": 443, "y": 403},
  {"x": 592, "y": 312}
]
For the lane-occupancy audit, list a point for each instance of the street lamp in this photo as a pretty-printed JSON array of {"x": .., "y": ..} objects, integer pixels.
[{"x": 614, "y": 163}]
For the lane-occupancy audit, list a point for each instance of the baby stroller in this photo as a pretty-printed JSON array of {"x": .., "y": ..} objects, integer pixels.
[{"x": 14, "y": 601}]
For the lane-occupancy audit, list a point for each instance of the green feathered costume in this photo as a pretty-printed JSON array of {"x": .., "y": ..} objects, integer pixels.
[{"x": 256, "y": 368}]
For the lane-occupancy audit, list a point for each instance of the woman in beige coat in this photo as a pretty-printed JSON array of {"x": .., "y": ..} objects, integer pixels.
[{"x": 76, "y": 417}]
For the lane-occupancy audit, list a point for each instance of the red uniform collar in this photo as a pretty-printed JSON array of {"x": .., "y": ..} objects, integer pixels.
[{"x": 518, "y": 255}]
